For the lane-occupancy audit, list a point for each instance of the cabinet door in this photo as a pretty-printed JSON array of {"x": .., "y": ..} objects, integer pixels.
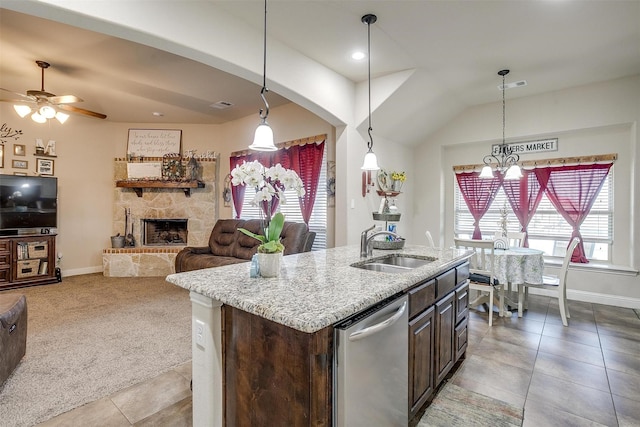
[
  {"x": 462, "y": 303},
  {"x": 461, "y": 338},
  {"x": 445, "y": 322},
  {"x": 421, "y": 343}
]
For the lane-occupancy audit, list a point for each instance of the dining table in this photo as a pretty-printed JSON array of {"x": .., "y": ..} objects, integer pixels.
[{"x": 516, "y": 266}]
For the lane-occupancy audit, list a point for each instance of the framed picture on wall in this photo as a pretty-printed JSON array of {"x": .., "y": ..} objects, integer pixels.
[
  {"x": 44, "y": 166},
  {"x": 1, "y": 156},
  {"x": 20, "y": 164},
  {"x": 19, "y": 150}
]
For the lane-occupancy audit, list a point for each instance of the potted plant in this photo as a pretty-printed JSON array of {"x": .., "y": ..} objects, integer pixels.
[
  {"x": 271, "y": 248},
  {"x": 397, "y": 179}
]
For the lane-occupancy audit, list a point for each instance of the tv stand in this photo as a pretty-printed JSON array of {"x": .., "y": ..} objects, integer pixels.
[{"x": 27, "y": 260}]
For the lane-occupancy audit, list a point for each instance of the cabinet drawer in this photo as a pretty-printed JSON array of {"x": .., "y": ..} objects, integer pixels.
[
  {"x": 461, "y": 338},
  {"x": 462, "y": 302},
  {"x": 445, "y": 283},
  {"x": 5, "y": 259},
  {"x": 5, "y": 245},
  {"x": 421, "y": 297},
  {"x": 462, "y": 273},
  {"x": 5, "y": 275}
]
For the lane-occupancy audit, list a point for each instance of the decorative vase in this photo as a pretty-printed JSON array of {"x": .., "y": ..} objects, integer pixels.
[
  {"x": 396, "y": 185},
  {"x": 269, "y": 264}
]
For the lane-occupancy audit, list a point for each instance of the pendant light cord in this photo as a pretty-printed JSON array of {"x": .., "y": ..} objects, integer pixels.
[
  {"x": 503, "y": 109},
  {"x": 264, "y": 113},
  {"x": 369, "y": 19}
]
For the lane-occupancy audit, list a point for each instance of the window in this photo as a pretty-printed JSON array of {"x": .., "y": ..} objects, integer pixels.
[
  {"x": 548, "y": 230},
  {"x": 291, "y": 211}
]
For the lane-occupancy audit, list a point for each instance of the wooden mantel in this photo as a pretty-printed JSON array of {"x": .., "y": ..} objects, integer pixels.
[{"x": 138, "y": 185}]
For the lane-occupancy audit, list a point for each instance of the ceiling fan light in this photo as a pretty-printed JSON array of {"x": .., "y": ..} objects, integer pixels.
[
  {"x": 263, "y": 139},
  {"x": 513, "y": 172},
  {"x": 36, "y": 117},
  {"x": 22, "y": 110},
  {"x": 47, "y": 111},
  {"x": 487, "y": 172},
  {"x": 370, "y": 162},
  {"x": 61, "y": 117}
]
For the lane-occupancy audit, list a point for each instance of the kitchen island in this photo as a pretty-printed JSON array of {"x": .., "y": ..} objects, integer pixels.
[{"x": 239, "y": 321}]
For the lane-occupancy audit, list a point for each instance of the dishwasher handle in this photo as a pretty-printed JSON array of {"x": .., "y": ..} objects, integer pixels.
[{"x": 379, "y": 326}]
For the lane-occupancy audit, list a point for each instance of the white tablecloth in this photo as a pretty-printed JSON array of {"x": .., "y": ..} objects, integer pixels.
[{"x": 519, "y": 265}]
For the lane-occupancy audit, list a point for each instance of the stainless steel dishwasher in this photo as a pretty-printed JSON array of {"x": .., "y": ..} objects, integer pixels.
[{"x": 371, "y": 367}]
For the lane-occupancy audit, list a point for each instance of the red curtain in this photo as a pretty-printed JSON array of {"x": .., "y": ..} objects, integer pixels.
[
  {"x": 478, "y": 194},
  {"x": 524, "y": 196},
  {"x": 305, "y": 160},
  {"x": 572, "y": 190}
]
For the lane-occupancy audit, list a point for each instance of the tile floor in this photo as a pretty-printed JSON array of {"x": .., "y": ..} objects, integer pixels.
[{"x": 587, "y": 374}]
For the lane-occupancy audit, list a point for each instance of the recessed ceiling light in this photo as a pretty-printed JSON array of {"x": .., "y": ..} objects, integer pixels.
[
  {"x": 158, "y": 114},
  {"x": 358, "y": 56}
]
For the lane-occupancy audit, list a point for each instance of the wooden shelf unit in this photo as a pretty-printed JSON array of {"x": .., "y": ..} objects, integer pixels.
[
  {"x": 139, "y": 185},
  {"x": 27, "y": 260}
]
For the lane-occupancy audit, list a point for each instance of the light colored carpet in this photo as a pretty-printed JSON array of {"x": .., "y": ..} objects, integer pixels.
[
  {"x": 90, "y": 336},
  {"x": 456, "y": 406}
]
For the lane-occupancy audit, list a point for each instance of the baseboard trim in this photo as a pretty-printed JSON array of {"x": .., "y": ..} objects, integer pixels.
[
  {"x": 81, "y": 271},
  {"x": 592, "y": 297}
]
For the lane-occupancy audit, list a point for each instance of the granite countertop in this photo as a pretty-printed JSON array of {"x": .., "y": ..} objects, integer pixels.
[{"x": 315, "y": 289}]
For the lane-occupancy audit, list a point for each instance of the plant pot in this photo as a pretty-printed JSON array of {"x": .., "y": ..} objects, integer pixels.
[{"x": 269, "y": 264}]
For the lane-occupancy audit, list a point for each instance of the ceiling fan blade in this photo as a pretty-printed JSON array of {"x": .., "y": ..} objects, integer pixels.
[
  {"x": 72, "y": 109},
  {"x": 64, "y": 99},
  {"x": 23, "y": 97},
  {"x": 14, "y": 101}
]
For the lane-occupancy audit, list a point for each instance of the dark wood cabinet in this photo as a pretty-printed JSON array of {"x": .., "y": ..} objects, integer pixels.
[
  {"x": 273, "y": 372},
  {"x": 421, "y": 342},
  {"x": 438, "y": 319},
  {"x": 445, "y": 322},
  {"x": 27, "y": 260}
]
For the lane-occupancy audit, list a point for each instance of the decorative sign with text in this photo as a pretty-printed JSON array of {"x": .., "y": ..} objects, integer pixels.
[
  {"x": 527, "y": 147},
  {"x": 153, "y": 142}
]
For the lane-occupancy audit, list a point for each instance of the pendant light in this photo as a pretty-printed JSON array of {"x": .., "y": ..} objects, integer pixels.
[
  {"x": 263, "y": 138},
  {"x": 370, "y": 159},
  {"x": 508, "y": 160}
]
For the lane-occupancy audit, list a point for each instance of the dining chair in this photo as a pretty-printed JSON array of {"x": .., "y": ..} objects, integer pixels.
[
  {"x": 516, "y": 238},
  {"x": 481, "y": 269},
  {"x": 560, "y": 289},
  {"x": 429, "y": 239}
]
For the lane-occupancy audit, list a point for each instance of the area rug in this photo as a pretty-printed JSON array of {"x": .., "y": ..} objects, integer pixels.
[
  {"x": 90, "y": 336},
  {"x": 456, "y": 406}
]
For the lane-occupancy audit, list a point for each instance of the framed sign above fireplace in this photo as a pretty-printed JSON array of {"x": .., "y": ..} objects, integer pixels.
[{"x": 153, "y": 142}]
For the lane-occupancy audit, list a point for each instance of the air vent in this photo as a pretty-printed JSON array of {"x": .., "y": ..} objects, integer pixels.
[
  {"x": 221, "y": 105},
  {"x": 519, "y": 83}
]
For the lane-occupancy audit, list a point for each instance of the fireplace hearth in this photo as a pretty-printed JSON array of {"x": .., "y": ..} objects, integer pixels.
[{"x": 164, "y": 232}]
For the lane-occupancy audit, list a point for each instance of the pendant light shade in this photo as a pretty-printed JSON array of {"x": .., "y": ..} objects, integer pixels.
[
  {"x": 263, "y": 139},
  {"x": 370, "y": 160},
  {"x": 507, "y": 163}
]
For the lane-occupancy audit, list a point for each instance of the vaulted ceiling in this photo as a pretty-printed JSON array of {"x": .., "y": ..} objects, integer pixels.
[{"x": 451, "y": 52}]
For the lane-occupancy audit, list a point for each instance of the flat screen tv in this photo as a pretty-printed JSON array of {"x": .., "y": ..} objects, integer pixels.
[{"x": 28, "y": 204}]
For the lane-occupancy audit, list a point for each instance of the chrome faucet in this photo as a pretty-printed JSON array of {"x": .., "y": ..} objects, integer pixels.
[{"x": 366, "y": 241}]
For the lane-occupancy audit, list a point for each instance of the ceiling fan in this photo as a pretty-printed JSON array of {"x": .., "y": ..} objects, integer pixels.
[{"x": 46, "y": 104}]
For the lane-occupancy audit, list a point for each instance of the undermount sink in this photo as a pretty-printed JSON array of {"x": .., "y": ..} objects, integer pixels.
[{"x": 394, "y": 263}]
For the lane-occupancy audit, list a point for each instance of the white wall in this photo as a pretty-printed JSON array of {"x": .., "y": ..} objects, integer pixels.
[{"x": 595, "y": 119}]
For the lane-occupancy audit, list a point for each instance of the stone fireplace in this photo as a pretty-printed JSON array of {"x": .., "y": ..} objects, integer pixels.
[
  {"x": 173, "y": 218},
  {"x": 164, "y": 232}
]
